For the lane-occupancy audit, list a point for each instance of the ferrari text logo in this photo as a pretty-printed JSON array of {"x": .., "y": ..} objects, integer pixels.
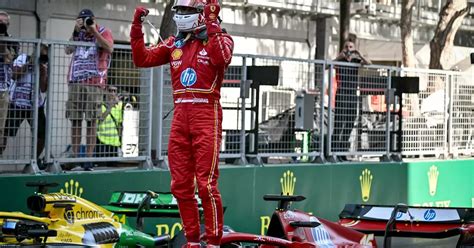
[
  {"x": 433, "y": 174},
  {"x": 72, "y": 187},
  {"x": 365, "y": 184},
  {"x": 288, "y": 182}
]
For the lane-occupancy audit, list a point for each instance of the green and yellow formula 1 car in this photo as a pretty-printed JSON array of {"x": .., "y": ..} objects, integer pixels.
[{"x": 60, "y": 219}]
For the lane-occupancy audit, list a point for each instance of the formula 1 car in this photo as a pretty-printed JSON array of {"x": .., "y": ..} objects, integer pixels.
[
  {"x": 60, "y": 219},
  {"x": 298, "y": 229},
  {"x": 404, "y": 226}
]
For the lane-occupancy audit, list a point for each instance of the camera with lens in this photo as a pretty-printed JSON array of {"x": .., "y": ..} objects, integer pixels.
[
  {"x": 43, "y": 59},
  {"x": 3, "y": 29},
  {"x": 88, "y": 21}
]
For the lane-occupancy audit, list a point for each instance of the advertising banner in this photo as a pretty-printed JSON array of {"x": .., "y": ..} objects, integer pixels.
[{"x": 327, "y": 189}]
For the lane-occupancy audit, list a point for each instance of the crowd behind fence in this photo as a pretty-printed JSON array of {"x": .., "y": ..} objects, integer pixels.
[{"x": 317, "y": 111}]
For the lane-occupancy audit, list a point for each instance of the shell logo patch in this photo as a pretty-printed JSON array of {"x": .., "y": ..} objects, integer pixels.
[{"x": 176, "y": 54}]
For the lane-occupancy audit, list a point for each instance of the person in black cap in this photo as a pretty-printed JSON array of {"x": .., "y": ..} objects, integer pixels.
[{"x": 87, "y": 79}]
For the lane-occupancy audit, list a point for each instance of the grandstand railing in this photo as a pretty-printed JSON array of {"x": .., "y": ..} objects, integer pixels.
[{"x": 354, "y": 113}]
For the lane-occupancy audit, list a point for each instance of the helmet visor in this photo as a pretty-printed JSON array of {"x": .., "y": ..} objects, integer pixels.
[{"x": 197, "y": 4}]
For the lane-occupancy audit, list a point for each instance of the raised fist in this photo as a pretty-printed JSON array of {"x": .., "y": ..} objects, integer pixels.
[
  {"x": 211, "y": 10},
  {"x": 140, "y": 13}
]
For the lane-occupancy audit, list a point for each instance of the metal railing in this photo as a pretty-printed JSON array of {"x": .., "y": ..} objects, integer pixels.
[
  {"x": 131, "y": 93},
  {"x": 68, "y": 118},
  {"x": 352, "y": 112}
]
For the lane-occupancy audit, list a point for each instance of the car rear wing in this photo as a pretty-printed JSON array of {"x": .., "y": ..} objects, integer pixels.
[
  {"x": 420, "y": 222},
  {"x": 414, "y": 214}
]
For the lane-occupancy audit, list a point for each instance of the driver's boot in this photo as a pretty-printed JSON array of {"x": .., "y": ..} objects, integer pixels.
[{"x": 192, "y": 245}]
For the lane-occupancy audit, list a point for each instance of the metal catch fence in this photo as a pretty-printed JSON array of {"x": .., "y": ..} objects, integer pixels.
[
  {"x": 94, "y": 114},
  {"x": 20, "y": 127},
  {"x": 274, "y": 109}
]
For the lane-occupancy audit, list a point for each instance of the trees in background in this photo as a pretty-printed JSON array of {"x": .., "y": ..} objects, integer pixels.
[
  {"x": 408, "y": 54},
  {"x": 450, "y": 19}
]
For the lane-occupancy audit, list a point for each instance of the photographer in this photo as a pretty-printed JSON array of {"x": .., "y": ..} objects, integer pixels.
[
  {"x": 87, "y": 79},
  {"x": 8, "y": 52},
  {"x": 346, "y": 97}
]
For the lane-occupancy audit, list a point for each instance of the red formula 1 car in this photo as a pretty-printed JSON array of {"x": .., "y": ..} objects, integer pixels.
[
  {"x": 298, "y": 229},
  {"x": 403, "y": 226}
]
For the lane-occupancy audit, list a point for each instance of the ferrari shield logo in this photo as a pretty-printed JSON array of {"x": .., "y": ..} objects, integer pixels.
[{"x": 213, "y": 8}]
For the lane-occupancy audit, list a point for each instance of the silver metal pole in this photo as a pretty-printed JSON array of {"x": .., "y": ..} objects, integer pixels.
[
  {"x": 330, "y": 122},
  {"x": 150, "y": 114},
  {"x": 389, "y": 113},
  {"x": 34, "y": 99},
  {"x": 243, "y": 110},
  {"x": 321, "y": 115},
  {"x": 49, "y": 107},
  {"x": 450, "y": 86},
  {"x": 160, "y": 114}
]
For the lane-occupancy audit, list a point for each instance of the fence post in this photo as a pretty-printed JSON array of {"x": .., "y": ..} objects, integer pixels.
[
  {"x": 52, "y": 166},
  {"x": 321, "y": 158},
  {"x": 32, "y": 168},
  {"x": 161, "y": 160},
  {"x": 388, "y": 136},
  {"x": 332, "y": 158},
  {"x": 243, "y": 159},
  {"x": 449, "y": 149},
  {"x": 148, "y": 164}
]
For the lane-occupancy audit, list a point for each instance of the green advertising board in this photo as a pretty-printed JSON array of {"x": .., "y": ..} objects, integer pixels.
[
  {"x": 327, "y": 189},
  {"x": 441, "y": 183}
]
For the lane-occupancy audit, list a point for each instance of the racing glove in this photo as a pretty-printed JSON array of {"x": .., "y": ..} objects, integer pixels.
[
  {"x": 211, "y": 12},
  {"x": 138, "y": 18}
]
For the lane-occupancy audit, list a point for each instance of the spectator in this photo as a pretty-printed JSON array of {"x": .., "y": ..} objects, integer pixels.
[
  {"x": 21, "y": 95},
  {"x": 87, "y": 79},
  {"x": 8, "y": 52},
  {"x": 345, "y": 112},
  {"x": 198, "y": 57},
  {"x": 109, "y": 129}
]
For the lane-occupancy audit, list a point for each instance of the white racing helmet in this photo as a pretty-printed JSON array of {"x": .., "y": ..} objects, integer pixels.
[{"x": 189, "y": 21}]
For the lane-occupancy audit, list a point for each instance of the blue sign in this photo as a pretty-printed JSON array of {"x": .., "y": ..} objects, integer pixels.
[
  {"x": 399, "y": 215},
  {"x": 188, "y": 77},
  {"x": 179, "y": 43},
  {"x": 430, "y": 214}
]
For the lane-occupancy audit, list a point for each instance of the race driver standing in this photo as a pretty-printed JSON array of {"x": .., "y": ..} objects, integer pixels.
[{"x": 198, "y": 56}]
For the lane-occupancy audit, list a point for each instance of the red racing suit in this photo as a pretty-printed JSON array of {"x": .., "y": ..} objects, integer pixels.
[{"x": 197, "y": 71}]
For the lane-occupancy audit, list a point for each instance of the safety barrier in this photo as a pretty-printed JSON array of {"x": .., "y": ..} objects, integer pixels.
[
  {"x": 18, "y": 145},
  {"x": 440, "y": 119},
  {"x": 74, "y": 122},
  {"x": 305, "y": 111},
  {"x": 127, "y": 135}
]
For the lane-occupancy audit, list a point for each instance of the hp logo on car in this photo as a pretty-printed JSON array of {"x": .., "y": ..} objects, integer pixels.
[
  {"x": 429, "y": 214},
  {"x": 399, "y": 215}
]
